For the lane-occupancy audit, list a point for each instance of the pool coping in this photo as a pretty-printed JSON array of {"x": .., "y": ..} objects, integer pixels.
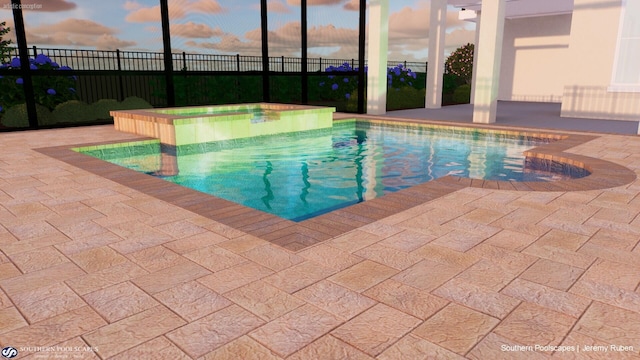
[{"x": 296, "y": 236}]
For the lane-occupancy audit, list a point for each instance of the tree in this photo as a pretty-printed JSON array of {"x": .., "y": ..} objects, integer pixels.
[
  {"x": 460, "y": 63},
  {"x": 4, "y": 44}
]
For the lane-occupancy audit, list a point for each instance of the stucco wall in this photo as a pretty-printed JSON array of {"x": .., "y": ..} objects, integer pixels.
[
  {"x": 591, "y": 56},
  {"x": 534, "y": 58}
]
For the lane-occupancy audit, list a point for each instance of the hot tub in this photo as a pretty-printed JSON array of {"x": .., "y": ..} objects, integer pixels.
[{"x": 201, "y": 124}]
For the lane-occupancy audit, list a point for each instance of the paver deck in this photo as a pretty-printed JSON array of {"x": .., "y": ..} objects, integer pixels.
[{"x": 91, "y": 268}]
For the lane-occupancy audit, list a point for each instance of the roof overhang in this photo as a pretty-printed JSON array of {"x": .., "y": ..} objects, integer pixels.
[{"x": 517, "y": 8}]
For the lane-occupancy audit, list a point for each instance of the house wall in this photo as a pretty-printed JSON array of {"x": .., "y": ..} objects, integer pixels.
[
  {"x": 591, "y": 57},
  {"x": 534, "y": 57}
]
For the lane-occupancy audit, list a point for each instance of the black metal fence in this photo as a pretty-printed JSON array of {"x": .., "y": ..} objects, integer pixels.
[
  {"x": 103, "y": 79},
  {"x": 79, "y": 59}
]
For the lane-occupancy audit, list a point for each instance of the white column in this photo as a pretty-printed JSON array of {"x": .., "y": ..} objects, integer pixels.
[
  {"x": 485, "y": 99},
  {"x": 377, "y": 57},
  {"x": 475, "y": 58},
  {"x": 437, "y": 31}
]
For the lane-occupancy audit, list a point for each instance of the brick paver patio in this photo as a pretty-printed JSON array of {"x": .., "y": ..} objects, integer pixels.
[{"x": 93, "y": 269}]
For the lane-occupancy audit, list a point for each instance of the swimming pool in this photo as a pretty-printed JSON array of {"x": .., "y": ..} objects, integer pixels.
[{"x": 301, "y": 175}]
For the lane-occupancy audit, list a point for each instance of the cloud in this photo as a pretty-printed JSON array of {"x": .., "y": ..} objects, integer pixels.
[
  {"x": 131, "y": 5},
  {"x": 152, "y": 14},
  {"x": 77, "y": 33},
  {"x": 110, "y": 42},
  {"x": 289, "y": 33},
  {"x": 254, "y": 35},
  {"x": 408, "y": 37},
  {"x": 193, "y": 30},
  {"x": 276, "y": 6},
  {"x": 414, "y": 23},
  {"x": 285, "y": 40},
  {"x": 315, "y": 2},
  {"x": 230, "y": 44},
  {"x": 343, "y": 52},
  {"x": 459, "y": 37},
  {"x": 206, "y": 7},
  {"x": 409, "y": 32},
  {"x": 75, "y": 26},
  {"x": 329, "y": 35},
  {"x": 102, "y": 42},
  {"x": 43, "y": 5},
  {"x": 177, "y": 10},
  {"x": 353, "y": 5}
]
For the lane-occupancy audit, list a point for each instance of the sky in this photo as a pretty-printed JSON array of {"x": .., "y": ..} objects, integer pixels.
[{"x": 228, "y": 26}]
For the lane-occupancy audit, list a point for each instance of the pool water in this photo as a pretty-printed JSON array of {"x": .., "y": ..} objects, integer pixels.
[{"x": 301, "y": 175}]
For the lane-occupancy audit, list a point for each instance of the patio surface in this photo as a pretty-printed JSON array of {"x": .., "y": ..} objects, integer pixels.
[
  {"x": 527, "y": 114},
  {"x": 93, "y": 269}
]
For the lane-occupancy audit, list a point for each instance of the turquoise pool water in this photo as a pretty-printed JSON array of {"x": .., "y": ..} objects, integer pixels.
[{"x": 301, "y": 175}]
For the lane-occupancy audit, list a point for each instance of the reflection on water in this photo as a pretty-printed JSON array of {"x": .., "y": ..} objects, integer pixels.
[{"x": 303, "y": 176}]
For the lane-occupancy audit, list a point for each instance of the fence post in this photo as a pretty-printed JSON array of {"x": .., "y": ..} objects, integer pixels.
[
  {"x": 238, "y": 62},
  {"x": 320, "y": 65},
  {"x": 184, "y": 61},
  {"x": 167, "y": 55},
  {"x": 35, "y": 51},
  {"x": 25, "y": 70},
  {"x": 353, "y": 63},
  {"x": 120, "y": 82},
  {"x": 282, "y": 63}
]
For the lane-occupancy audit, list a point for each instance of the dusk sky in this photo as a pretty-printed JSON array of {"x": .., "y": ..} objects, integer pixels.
[{"x": 228, "y": 26}]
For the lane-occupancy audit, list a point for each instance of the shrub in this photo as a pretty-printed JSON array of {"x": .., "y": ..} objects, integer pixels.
[
  {"x": 343, "y": 87},
  {"x": 134, "y": 102},
  {"x": 397, "y": 99},
  {"x": 400, "y": 77},
  {"x": 460, "y": 63},
  {"x": 191, "y": 90},
  {"x": 4, "y": 44},
  {"x": 462, "y": 95},
  {"x": 49, "y": 90},
  {"x": 352, "y": 103},
  {"x": 16, "y": 116},
  {"x": 338, "y": 86},
  {"x": 405, "y": 98},
  {"x": 101, "y": 108},
  {"x": 73, "y": 111},
  {"x": 450, "y": 83}
]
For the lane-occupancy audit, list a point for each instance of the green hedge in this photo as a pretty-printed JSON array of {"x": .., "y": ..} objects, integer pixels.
[
  {"x": 73, "y": 111},
  {"x": 70, "y": 112},
  {"x": 134, "y": 102},
  {"x": 16, "y": 116},
  {"x": 462, "y": 95}
]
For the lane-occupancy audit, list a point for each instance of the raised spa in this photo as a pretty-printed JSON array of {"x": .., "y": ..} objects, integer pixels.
[{"x": 202, "y": 124}]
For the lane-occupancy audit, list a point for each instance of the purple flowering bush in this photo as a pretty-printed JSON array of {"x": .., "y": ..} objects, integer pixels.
[
  {"x": 49, "y": 90},
  {"x": 399, "y": 77},
  {"x": 339, "y": 86}
]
